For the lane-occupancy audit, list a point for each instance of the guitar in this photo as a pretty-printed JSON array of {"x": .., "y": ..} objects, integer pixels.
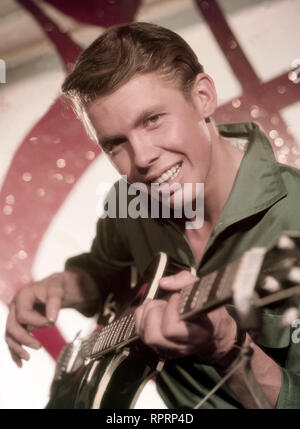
[{"x": 87, "y": 368}]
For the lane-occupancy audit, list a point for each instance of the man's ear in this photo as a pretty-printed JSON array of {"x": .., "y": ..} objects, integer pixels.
[{"x": 204, "y": 95}]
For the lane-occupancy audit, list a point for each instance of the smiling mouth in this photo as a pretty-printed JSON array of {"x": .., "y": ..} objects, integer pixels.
[{"x": 170, "y": 174}]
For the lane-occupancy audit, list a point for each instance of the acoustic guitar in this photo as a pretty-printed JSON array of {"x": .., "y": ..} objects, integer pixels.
[{"x": 109, "y": 368}]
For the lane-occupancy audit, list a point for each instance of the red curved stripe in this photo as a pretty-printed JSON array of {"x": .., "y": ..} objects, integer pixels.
[{"x": 99, "y": 12}]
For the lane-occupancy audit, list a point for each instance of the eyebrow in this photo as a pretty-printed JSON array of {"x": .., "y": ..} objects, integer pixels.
[{"x": 107, "y": 141}]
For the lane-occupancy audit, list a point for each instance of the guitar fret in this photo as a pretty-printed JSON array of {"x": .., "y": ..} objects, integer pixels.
[
  {"x": 128, "y": 328},
  {"x": 106, "y": 339},
  {"x": 197, "y": 291},
  {"x": 113, "y": 333},
  {"x": 118, "y": 333},
  {"x": 124, "y": 324},
  {"x": 97, "y": 342},
  {"x": 88, "y": 344},
  {"x": 125, "y": 328},
  {"x": 185, "y": 294},
  {"x": 118, "y": 330},
  {"x": 225, "y": 286},
  {"x": 110, "y": 334},
  {"x": 131, "y": 328},
  {"x": 204, "y": 289},
  {"x": 100, "y": 344}
]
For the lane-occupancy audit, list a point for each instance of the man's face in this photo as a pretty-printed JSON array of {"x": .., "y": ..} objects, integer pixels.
[{"x": 152, "y": 133}]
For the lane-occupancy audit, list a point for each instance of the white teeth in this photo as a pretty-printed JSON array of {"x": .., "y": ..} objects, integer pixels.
[{"x": 169, "y": 174}]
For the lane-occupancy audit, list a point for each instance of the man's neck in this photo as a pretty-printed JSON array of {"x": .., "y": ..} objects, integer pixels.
[{"x": 225, "y": 163}]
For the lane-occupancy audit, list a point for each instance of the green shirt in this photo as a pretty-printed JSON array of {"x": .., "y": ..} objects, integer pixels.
[{"x": 264, "y": 201}]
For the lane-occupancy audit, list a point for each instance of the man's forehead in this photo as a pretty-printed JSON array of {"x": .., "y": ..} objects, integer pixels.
[
  {"x": 153, "y": 83},
  {"x": 132, "y": 99}
]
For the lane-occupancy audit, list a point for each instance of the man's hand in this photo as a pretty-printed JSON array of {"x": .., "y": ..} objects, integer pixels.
[
  {"x": 24, "y": 316},
  {"x": 37, "y": 306},
  {"x": 158, "y": 324}
]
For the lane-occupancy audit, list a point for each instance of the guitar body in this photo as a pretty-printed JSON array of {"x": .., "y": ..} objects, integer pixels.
[
  {"x": 115, "y": 378},
  {"x": 119, "y": 385},
  {"x": 64, "y": 391}
]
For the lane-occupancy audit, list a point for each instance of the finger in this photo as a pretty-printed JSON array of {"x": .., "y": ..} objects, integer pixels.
[
  {"x": 30, "y": 328},
  {"x": 177, "y": 281},
  {"x": 152, "y": 333},
  {"x": 141, "y": 314},
  {"x": 173, "y": 328},
  {"x": 54, "y": 302},
  {"x": 149, "y": 328},
  {"x": 25, "y": 313},
  {"x": 138, "y": 320},
  {"x": 16, "y": 358},
  {"x": 17, "y": 332},
  {"x": 17, "y": 350},
  {"x": 180, "y": 331}
]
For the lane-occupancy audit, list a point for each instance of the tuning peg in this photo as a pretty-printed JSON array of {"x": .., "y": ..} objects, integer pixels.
[
  {"x": 270, "y": 284},
  {"x": 289, "y": 316},
  {"x": 285, "y": 242},
  {"x": 294, "y": 274}
]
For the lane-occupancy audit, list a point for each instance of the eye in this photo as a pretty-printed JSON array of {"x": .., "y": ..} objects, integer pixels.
[
  {"x": 111, "y": 146},
  {"x": 153, "y": 120}
]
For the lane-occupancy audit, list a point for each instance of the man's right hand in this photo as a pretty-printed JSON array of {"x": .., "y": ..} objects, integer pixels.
[
  {"x": 37, "y": 306},
  {"x": 25, "y": 313}
]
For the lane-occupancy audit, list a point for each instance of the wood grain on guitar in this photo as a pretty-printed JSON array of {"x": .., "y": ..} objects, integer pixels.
[{"x": 88, "y": 367}]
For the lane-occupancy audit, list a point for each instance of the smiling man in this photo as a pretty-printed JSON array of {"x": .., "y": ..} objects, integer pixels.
[{"x": 145, "y": 98}]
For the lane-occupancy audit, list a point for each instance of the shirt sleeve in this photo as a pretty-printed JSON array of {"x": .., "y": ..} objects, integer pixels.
[
  {"x": 278, "y": 342},
  {"x": 108, "y": 262},
  {"x": 289, "y": 395}
]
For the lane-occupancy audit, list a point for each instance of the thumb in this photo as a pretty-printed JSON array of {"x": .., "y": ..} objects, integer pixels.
[{"x": 177, "y": 281}]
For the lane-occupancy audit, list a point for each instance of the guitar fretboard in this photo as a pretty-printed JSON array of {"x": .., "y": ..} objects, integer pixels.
[{"x": 116, "y": 333}]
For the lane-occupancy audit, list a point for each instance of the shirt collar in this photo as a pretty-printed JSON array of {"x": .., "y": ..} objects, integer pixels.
[{"x": 258, "y": 184}]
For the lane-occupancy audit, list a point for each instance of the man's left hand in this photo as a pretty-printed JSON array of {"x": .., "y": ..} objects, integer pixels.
[{"x": 158, "y": 324}]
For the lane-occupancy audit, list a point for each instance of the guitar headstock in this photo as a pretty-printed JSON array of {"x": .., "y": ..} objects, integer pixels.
[{"x": 278, "y": 281}]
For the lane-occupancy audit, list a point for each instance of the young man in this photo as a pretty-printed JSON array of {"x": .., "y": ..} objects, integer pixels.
[{"x": 144, "y": 96}]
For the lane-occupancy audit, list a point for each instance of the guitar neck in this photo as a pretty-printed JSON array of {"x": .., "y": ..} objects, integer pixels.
[{"x": 209, "y": 292}]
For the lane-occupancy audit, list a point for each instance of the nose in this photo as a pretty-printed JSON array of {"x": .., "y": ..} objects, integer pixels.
[{"x": 145, "y": 153}]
